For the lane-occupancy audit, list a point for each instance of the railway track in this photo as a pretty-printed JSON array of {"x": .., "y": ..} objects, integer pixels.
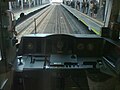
[
  {"x": 24, "y": 25},
  {"x": 28, "y": 26},
  {"x": 56, "y": 22},
  {"x": 54, "y": 19},
  {"x": 60, "y": 22}
]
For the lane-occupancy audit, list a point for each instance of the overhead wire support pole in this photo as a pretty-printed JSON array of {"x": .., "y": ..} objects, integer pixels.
[{"x": 35, "y": 26}]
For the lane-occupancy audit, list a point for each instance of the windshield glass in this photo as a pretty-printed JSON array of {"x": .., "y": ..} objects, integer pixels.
[{"x": 70, "y": 16}]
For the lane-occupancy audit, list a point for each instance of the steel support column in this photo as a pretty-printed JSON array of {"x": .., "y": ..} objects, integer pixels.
[
  {"x": 29, "y": 3},
  {"x": 10, "y": 6},
  {"x": 37, "y": 2},
  {"x": 22, "y": 5}
]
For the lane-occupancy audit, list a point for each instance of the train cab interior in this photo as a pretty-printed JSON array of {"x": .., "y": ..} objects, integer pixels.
[{"x": 61, "y": 61}]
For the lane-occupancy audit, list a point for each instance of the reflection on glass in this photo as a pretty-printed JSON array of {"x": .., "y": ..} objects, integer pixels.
[
  {"x": 118, "y": 20},
  {"x": 0, "y": 55}
]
